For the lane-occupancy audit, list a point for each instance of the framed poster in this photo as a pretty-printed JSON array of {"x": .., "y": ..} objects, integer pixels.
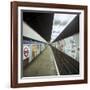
[{"x": 48, "y": 44}]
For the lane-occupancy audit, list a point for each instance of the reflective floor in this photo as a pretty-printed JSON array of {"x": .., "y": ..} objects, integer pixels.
[{"x": 42, "y": 65}]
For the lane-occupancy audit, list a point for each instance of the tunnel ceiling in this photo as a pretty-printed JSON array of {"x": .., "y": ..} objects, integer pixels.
[
  {"x": 70, "y": 30},
  {"x": 40, "y": 22}
]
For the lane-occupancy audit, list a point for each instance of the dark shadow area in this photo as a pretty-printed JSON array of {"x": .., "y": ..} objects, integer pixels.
[{"x": 40, "y": 22}]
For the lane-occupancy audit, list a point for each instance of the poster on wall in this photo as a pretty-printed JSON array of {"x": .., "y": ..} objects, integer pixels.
[{"x": 51, "y": 44}]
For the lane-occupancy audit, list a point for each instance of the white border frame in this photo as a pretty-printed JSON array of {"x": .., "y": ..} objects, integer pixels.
[{"x": 52, "y": 78}]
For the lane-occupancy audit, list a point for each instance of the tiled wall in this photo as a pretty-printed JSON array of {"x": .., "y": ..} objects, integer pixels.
[{"x": 69, "y": 46}]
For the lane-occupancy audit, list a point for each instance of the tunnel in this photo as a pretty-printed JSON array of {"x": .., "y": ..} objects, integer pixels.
[{"x": 50, "y": 43}]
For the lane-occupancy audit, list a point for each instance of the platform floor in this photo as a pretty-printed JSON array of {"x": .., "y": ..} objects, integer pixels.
[{"x": 42, "y": 65}]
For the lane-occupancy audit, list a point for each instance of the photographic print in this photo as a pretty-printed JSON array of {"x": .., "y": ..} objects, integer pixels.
[{"x": 49, "y": 44}]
